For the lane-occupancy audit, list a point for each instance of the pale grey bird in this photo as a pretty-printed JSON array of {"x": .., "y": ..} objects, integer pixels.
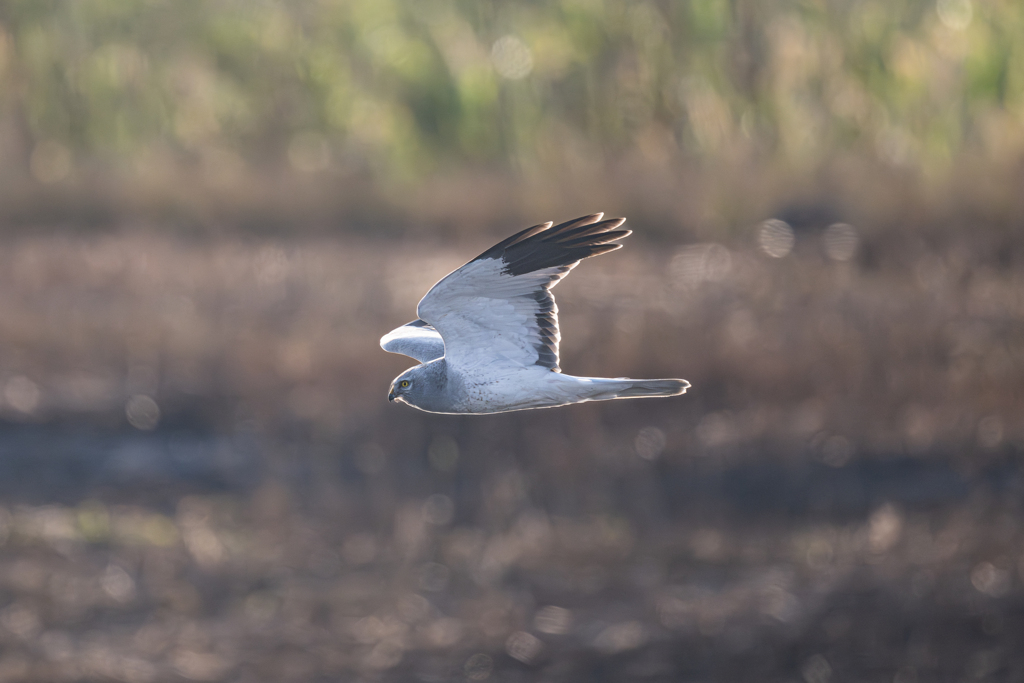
[{"x": 487, "y": 334}]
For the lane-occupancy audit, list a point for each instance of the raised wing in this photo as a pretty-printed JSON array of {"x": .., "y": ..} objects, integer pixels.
[
  {"x": 498, "y": 307},
  {"x": 416, "y": 339}
]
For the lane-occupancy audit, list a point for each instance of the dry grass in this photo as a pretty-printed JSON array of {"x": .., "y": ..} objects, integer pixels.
[
  {"x": 895, "y": 356},
  {"x": 838, "y": 496}
]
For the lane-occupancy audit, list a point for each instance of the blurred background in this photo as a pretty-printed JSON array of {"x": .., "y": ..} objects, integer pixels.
[{"x": 211, "y": 211}]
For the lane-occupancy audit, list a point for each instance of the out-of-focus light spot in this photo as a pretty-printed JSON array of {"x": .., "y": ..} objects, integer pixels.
[
  {"x": 778, "y": 603},
  {"x": 673, "y": 612},
  {"x": 434, "y": 577},
  {"x": 990, "y": 431},
  {"x": 816, "y": 670},
  {"x": 808, "y": 417},
  {"x": 497, "y": 556},
  {"x": 21, "y": 620},
  {"x": 370, "y": 458},
  {"x": 717, "y": 429},
  {"x": 511, "y": 57},
  {"x": 884, "y": 529},
  {"x": 775, "y": 238},
  {"x": 413, "y": 607},
  {"x": 699, "y": 263},
  {"x": 621, "y": 637},
  {"x": 990, "y": 580},
  {"x": 22, "y": 394},
  {"x": 203, "y": 545},
  {"x": 369, "y": 630},
  {"x": 523, "y": 647},
  {"x": 50, "y": 162},
  {"x": 443, "y": 453},
  {"x": 118, "y": 584},
  {"x": 494, "y": 622},
  {"x": 309, "y": 153},
  {"x": 553, "y": 620},
  {"x": 841, "y": 241},
  {"x": 51, "y": 523},
  {"x": 142, "y": 412},
  {"x": 438, "y": 510},
  {"x": 386, "y": 654},
  {"x": 649, "y": 443},
  {"x": 955, "y": 15},
  {"x": 478, "y": 667},
  {"x": 359, "y": 549},
  {"x": 836, "y": 451},
  {"x": 444, "y": 632}
]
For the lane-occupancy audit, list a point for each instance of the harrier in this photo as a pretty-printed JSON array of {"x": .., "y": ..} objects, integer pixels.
[{"x": 487, "y": 334}]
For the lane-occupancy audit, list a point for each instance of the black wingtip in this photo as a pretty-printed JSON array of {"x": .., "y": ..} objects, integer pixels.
[
  {"x": 575, "y": 231},
  {"x": 498, "y": 249},
  {"x": 543, "y": 246},
  {"x": 600, "y": 238}
]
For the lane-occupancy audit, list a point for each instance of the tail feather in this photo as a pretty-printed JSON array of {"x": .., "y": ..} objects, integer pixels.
[
  {"x": 602, "y": 389},
  {"x": 654, "y": 387}
]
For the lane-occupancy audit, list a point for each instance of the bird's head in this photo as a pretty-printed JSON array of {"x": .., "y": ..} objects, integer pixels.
[{"x": 403, "y": 386}]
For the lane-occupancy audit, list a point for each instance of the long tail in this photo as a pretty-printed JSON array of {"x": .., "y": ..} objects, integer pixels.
[{"x": 601, "y": 389}]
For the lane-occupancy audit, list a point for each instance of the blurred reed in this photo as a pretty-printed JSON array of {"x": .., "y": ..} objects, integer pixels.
[{"x": 213, "y": 114}]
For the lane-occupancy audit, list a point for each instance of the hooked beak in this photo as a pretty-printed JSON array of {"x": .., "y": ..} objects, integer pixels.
[{"x": 391, "y": 396}]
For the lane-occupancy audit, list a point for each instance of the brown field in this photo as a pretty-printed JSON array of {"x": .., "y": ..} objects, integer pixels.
[{"x": 201, "y": 477}]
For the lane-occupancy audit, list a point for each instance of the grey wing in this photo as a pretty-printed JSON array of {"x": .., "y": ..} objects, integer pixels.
[
  {"x": 416, "y": 339},
  {"x": 498, "y": 308}
]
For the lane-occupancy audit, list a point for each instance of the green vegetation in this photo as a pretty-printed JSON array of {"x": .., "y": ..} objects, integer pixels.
[{"x": 401, "y": 89}]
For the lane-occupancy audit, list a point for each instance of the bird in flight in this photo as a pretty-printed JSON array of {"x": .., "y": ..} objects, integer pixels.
[{"x": 487, "y": 334}]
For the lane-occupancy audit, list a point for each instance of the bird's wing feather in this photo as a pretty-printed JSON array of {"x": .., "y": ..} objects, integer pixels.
[
  {"x": 416, "y": 339},
  {"x": 498, "y": 308}
]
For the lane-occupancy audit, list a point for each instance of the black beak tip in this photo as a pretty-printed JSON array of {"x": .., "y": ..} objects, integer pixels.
[{"x": 391, "y": 397}]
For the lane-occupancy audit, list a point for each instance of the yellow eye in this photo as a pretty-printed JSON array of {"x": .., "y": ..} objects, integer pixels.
[{"x": 404, "y": 383}]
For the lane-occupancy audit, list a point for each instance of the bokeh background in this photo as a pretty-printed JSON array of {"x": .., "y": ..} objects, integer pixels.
[{"x": 211, "y": 211}]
